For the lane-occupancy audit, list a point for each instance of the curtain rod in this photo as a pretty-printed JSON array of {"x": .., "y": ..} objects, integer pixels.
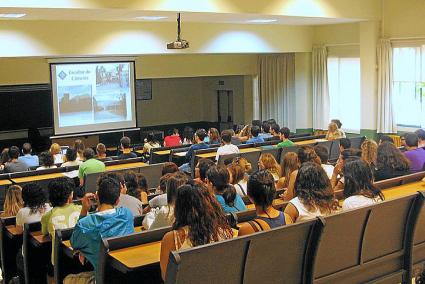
[
  {"x": 341, "y": 44},
  {"x": 407, "y": 38}
]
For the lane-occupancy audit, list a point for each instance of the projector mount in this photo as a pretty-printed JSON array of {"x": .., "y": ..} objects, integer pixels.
[{"x": 179, "y": 43}]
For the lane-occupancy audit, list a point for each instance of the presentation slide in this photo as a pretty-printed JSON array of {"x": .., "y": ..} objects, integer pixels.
[{"x": 90, "y": 97}]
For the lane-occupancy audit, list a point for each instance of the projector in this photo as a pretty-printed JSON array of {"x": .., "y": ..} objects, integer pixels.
[{"x": 180, "y": 44}]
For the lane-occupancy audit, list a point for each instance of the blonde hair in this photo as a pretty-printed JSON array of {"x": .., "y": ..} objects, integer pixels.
[
  {"x": 369, "y": 152},
  {"x": 269, "y": 163},
  {"x": 332, "y": 127},
  {"x": 55, "y": 149},
  {"x": 13, "y": 201},
  {"x": 246, "y": 166}
]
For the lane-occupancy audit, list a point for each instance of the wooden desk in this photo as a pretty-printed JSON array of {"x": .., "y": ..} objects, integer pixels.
[
  {"x": 249, "y": 150},
  {"x": 163, "y": 152},
  {"x": 180, "y": 154},
  {"x": 37, "y": 178},
  {"x": 214, "y": 153},
  {"x": 40, "y": 239},
  {"x": 403, "y": 190},
  {"x": 126, "y": 166},
  {"x": 13, "y": 231},
  {"x": 309, "y": 142},
  {"x": 5, "y": 182}
]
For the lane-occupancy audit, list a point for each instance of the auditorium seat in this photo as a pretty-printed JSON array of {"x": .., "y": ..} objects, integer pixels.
[
  {"x": 223, "y": 159},
  {"x": 334, "y": 150},
  {"x": 90, "y": 182},
  {"x": 252, "y": 157},
  {"x": 356, "y": 142},
  {"x": 274, "y": 151},
  {"x": 418, "y": 249},
  {"x": 287, "y": 150},
  {"x": 152, "y": 174},
  {"x": 9, "y": 247}
]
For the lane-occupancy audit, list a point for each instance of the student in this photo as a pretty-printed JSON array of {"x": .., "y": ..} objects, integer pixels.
[
  {"x": 385, "y": 138},
  {"x": 201, "y": 170},
  {"x": 339, "y": 125},
  {"x": 55, "y": 150},
  {"x": 284, "y": 136},
  {"x": 261, "y": 192},
  {"x": 255, "y": 138},
  {"x": 35, "y": 205},
  {"x": 4, "y": 158},
  {"x": 289, "y": 164},
  {"x": 390, "y": 162},
  {"x": 265, "y": 130},
  {"x": 358, "y": 186},
  {"x": 225, "y": 193},
  {"x": 29, "y": 159},
  {"x": 188, "y": 133},
  {"x": 403, "y": 144},
  {"x": 421, "y": 137},
  {"x": 199, "y": 220},
  {"x": 313, "y": 194},
  {"x": 126, "y": 150},
  {"x": 344, "y": 143},
  {"x": 415, "y": 155},
  {"x": 173, "y": 138},
  {"x": 101, "y": 153},
  {"x": 90, "y": 165},
  {"x": 169, "y": 168},
  {"x": 337, "y": 179},
  {"x": 164, "y": 216},
  {"x": 237, "y": 178},
  {"x": 107, "y": 222},
  {"x": 333, "y": 132},
  {"x": 71, "y": 158},
  {"x": 213, "y": 136},
  {"x": 369, "y": 152},
  {"x": 79, "y": 147},
  {"x": 47, "y": 161},
  {"x": 235, "y": 139},
  {"x": 227, "y": 147},
  {"x": 269, "y": 163},
  {"x": 64, "y": 213},
  {"x": 134, "y": 204},
  {"x": 150, "y": 143},
  {"x": 13, "y": 201},
  {"x": 323, "y": 154},
  {"x": 137, "y": 186},
  {"x": 14, "y": 164},
  {"x": 275, "y": 131},
  {"x": 199, "y": 144},
  {"x": 160, "y": 200},
  {"x": 246, "y": 133}
]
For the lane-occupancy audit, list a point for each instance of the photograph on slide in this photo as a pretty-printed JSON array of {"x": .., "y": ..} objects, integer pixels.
[{"x": 75, "y": 105}]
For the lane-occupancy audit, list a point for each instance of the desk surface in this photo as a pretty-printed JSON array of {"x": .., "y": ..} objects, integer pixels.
[
  {"x": 163, "y": 152},
  {"x": 12, "y": 230},
  {"x": 309, "y": 142},
  {"x": 214, "y": 153},
  {"x": 40, "y": 238},
  {"x": 5, "y": 182},
  {"x": 180, "y": 154},
  {"x": 126, "y": 166},
  {"x": 37, "y": 177},
  {"x": 403, "y": 190}
]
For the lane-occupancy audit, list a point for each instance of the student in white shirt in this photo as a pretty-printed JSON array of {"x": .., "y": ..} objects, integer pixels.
[
  {"x": 71, "y": 158},
  {"x": 359, "y": 190},
  {"x": 46, "y": 161},
  {"x": 313, "y": 194},
  {"x": 237, "y": 178},
  {"x": 227, "y": 148},
  {"x": 55, "y": 150},
  {"x": 323, "y": 154}
]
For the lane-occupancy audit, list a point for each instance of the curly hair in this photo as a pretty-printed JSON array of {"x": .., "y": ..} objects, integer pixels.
[
  {"x": 369, "y": 152},
  {"x": 34, "y": 197},
  {"x": 60, "y": 189},
  {"x": 313, "y": 188},
  {"x": 389, "y": 157},
  {"x": 197, "y": 208},
  {"x": 261, "y": 188},
  {"x": 268, "y": 162},
  {"x": 307, "y": 154}
]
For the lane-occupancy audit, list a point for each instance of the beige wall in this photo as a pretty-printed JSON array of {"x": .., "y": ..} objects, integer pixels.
[{"x": 404, "y": 18}]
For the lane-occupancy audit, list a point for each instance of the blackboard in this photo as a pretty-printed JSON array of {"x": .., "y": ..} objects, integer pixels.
[{"x": 25, "y": 106}]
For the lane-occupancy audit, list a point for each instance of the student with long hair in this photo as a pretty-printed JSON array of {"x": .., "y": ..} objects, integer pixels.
[
  {"x": 268, "y": 162},
  {"x": 79, "y": 147},
  {"x": 358, "y": 186},
  {"x": 150, "y": 143},
  {"x": 323, "y": 154},
  {"x": 245, "y": 133},
  {"x": 188, "y": 133},
  {"x": 261, "y": 192},
  {"x": 369, "y": 152},
  {"x": 290, "y": 163},
  {"x": 218, "y": 182},
  {"x": 237, "y": 178},
  {"x": 213, "y": 136},
  {"x": 47, "y": 161},
  {"x": 13, "y": 201},
  {"x": 333, "y": 132},
  {"x": 313, "y": 194},
  {"x": 201, "y": 169},
  {"x": 136, "y": 186},
  {"x": 199, "y": 220},
  {"x": 337, "y": 179},
  {"x": 55, "y": 150},
  {"x": 71, "y": 158},
  {"x": 390, "y": 162}
]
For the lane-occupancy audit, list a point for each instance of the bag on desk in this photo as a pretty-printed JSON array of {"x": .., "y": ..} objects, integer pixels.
[{"x": 80, "y": 278}]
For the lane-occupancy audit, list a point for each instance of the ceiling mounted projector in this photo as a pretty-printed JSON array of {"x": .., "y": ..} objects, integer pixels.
[{"x": 179, "y": 43}]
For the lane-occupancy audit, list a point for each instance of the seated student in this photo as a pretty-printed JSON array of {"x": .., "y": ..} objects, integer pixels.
[
  {"x": 385, "y": 138},
  {"x": 137, "y": 186},
  {"x": 27, "y": 158},
  {"x": 275, "y": 131},
  {"x": 337, "y": 179},
  {"x": 101, "y": 153},
  {"x": 213, "y": 137},
  {"x": 71, "y": 158},
  {"x": 255, "y": 138},
  {"x": 126, "y": 150},
  {"x": 358, "y": 186},
  {"x": 201, "y": 170},
  {"x": 268, "y": 162},
  {"x": 64, "y": 213},
  {"x": 284, "y": 136},
  {"x": 261, "y": 192},
  {"x": 13, "y": 201},
  {"x": 55, "y": 150},
  {"x": 290, "y": 163},
  {"x": 47, "y": 161},
  {"x": 173, "y": 138},
  {"x": 134, "y": 204},
  {"x": 333, "y": 132},
  {"x": 227, "y": 148},
  {"x": 199, "y": 136},
  {"x": 323, "y": 154},
  {"x": 90, "y": 165},
  {"x": 339, "y": 125},
  {"x": 421, "y": 137},
  {"x": 390, "y": 162},
  {"x": 4, "y": 158},
  {"x": 245, "y": 133},
  {"x": 14, "y": 164},
  {"x": 369, "y": 152},
  {"x": 265, "y": 130},
  {"x": 415, "y": 154},
  {"x": 188, "y": 134},
  {"x": 218, "y": 182},
  {"x": 403, "y": 144},
  {"x": 199, "y": 220},
  {"x": 107, "y": 222},
  {"x": 150, "y": 143},
  {"x": 79, "y": 147},
  {"x": 35, "y": 205},
  {"x": 237, "y": 178},
  {"x": 169, "y": 168},
  {"x": 313, "y": 194},
  {"x": 164, "y": 216},
  {"x": 344, "y": 143},
  {"x": 160, "y": 200}
]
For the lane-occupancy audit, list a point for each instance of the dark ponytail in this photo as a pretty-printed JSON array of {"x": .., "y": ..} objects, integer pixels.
[
  {"x": 219, "y": 177},
  {"x": 229, "y": 195}
]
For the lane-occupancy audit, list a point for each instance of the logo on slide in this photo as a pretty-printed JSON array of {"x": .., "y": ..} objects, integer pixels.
[{"x": 62, "y": 75}]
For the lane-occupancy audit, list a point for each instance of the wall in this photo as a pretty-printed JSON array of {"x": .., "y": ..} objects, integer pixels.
[{"x": 403, "y": 18}]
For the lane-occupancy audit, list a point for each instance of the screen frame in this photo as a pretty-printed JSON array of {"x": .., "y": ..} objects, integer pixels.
[{"x": 68, "y": 61}]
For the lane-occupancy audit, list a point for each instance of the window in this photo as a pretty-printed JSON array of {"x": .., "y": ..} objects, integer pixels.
[
  {"x": 344, "y": 91},
  {"x": 409, "y": 86}
]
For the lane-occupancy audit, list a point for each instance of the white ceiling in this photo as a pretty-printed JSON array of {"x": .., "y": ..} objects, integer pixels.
[{"x": 130, "y": 15}]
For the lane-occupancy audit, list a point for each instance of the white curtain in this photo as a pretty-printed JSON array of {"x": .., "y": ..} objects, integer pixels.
[
  {"x": 276, "y": 84},
  {"x": 320, "y": 87},
  {"x": 386, "y": 121}
]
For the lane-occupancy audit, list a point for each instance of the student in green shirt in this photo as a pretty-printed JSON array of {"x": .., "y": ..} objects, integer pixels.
[
  {"x": 64, "y": 214},
  {"x": 90, "y": 165},
  {"x": 284, "y": 136}
]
